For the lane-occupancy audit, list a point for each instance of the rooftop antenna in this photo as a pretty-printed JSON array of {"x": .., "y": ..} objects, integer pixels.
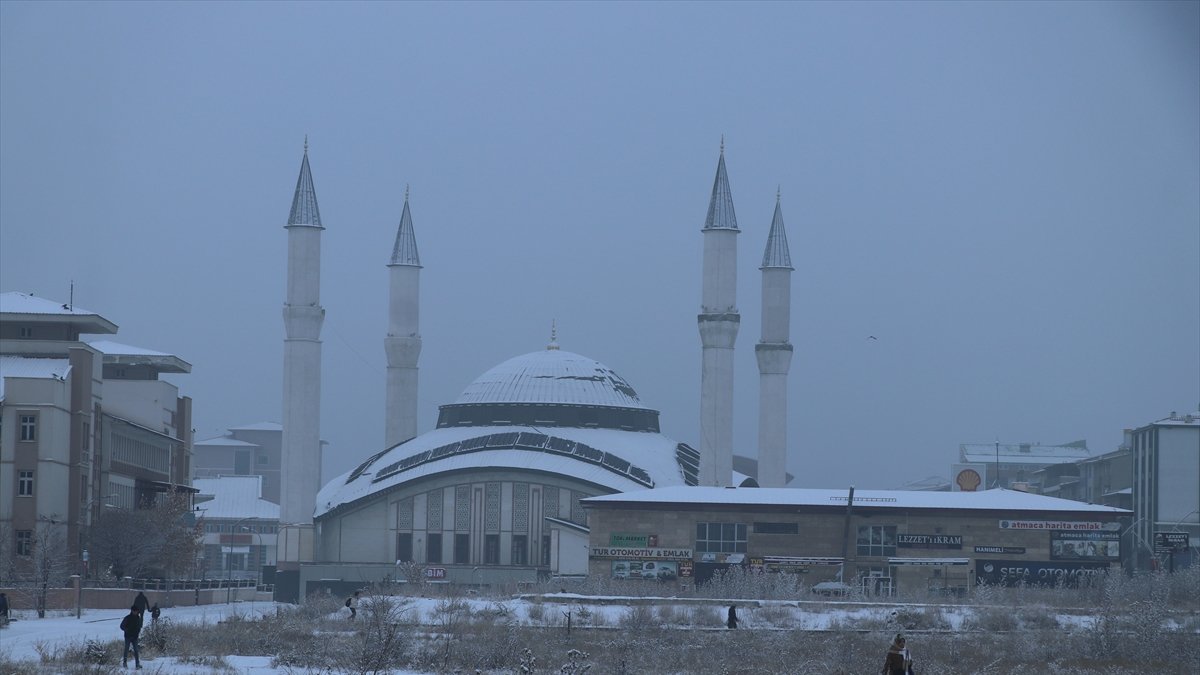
[
  {"x": 553, "y": 346},
  {"x": 722, "y": 144},
  {"x": 71, "y": 297},
  {"x": 406, "y": 192},
  {"x": 306, "y": 144},
  {"x": 996, "y": 483}
]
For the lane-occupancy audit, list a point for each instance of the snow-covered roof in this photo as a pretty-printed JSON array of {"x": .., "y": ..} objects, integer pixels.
[
  {"x": 234, "y": 497},
  {"x": 1022, "y": 453},
  {"x": 1174, "y": 420},
  {"x": 610, "y": 458},
  {"x": 31, "y": 307},
  {"x": 259, "y": 426},
  {"x": 34, "y": 368},
  {"x": 224, "y": 441},
  {"x": 999, "y": 499},
  {"x": 552, "y": 376},
  {"x": 117, "y": 353}
]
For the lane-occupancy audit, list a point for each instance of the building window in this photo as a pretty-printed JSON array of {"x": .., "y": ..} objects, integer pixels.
[
  {"x": 26, "y": 331},
  {"x": 721, "y": 537},
  {"x": 404, "y": 546},
  {"x": 462, "y": 549},
  {"x": 877, "y": 540},
  {"x": 433, "y": 548},
  {"x": 520, "y": 549},
  {"x": 24, "y": 542},
  {"x": 25, "y": 484},
  {"x": 491, "y": 549},
  {"x": 29, "y": 427},
  {"x": 262, "y": 460},
  {"x": 776, "y": 528}
]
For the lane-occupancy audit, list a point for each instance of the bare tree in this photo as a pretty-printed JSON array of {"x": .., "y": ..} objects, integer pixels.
[
  {"x": 161, "y": 540},
  {"x": 48, "y": 563},
  {"x": 8, "y": 557}
]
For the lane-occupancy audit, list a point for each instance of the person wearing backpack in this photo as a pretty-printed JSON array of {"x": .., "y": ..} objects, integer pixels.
[
  {"x": 131, "y": 625},
  {"x": 352, "y": 604}
]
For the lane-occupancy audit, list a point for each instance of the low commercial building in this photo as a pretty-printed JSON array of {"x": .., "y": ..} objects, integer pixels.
[{"x": 876, "y": 541}]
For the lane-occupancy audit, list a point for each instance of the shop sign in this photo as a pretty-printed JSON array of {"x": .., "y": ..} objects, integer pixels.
[
  {"x": 1013, "y": 550},
  {"x": 435, "y": 572},
  {"x": 1170, "y": 542},
  {"x": 929, "y": 540},
  {"x": 790, "y": 564},
  {"x": 685, "y": 568},
  {"x": 633, "y": 540},
  {"x": 1086, "y": 526},
  {"x": 641, "y": 553},
  {"x": 731, "y": 558},
  {"x": 645, "y": 570},
  {"x": 1085, "y": 546},
  {"x": 1035, "y": 573}
]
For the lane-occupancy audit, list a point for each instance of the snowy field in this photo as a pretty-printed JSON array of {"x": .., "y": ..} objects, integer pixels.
[{"x": 599, "y": 623}]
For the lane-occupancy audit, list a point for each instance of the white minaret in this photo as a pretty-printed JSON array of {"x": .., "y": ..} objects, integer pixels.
[
  {"x": 719, "y": 320},
  {"x": 774, "y": 354},
  {"x": 302, "y": 318},
  {"x": 403, "y": 342}
]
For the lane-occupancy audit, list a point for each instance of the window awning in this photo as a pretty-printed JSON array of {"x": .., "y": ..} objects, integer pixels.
[
  {"x": 929, "y": 561},
  {"x": 800, "y": 561}
]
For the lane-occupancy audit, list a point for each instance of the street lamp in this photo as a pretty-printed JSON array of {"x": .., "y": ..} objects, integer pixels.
[
  {"x": 229, "y": 560},
  {"x": 261, "y": 553},
  {"x": 1139, "y": 538}
]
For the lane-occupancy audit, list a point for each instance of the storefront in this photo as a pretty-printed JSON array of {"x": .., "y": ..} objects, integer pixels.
[{"x": 874, "y": 542}]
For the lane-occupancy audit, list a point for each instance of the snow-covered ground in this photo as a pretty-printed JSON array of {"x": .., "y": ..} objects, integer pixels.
[{"x": 20, "y": 640}]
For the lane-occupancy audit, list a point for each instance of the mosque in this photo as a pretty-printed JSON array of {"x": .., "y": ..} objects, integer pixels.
[{"x": 493, "y": 493}]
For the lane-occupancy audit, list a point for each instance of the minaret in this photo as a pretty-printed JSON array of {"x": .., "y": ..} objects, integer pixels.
[
  {"x": 403, "y": 342},
  {"x": 774, "y": 354},
  {"x": 719, "y": 320},
  {"x": 302, "y": 319}
]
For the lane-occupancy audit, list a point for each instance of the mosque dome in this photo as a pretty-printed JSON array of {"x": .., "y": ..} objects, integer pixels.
[
  {"x": 552, "y": 376},
  {"x": 550, "y": 412},
  {"x": 550, "y": 387}
]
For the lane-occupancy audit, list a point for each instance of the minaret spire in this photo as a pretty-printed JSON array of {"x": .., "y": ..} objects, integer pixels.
[
  {"x": 718, "y": 322},
  {"x": 300, "y": 470},
  {"x": 402, "y": 345},
  {"x": 774, "y": 354}
]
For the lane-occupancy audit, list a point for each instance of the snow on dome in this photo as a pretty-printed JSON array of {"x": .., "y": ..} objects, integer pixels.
[{"x": 552, "y": 376}]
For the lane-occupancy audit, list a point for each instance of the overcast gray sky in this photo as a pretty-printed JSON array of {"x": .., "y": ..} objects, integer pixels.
[{"x": 1007, "y": 195}]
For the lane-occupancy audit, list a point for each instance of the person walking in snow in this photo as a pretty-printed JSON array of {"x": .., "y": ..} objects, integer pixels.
[
  {"x": 898, "y": 660},
  {"x": 131, "y": 625},
  {"x": 141, "y": 603},
  {"x": 3, "y": 609},
  {"x": 352, "y": 603},
  {"x": 732, "y": 621},
  {"x": 154, "y": 612}
]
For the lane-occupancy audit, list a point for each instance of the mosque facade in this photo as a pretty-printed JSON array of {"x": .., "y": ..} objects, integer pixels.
[{"x": 493, "y": 493}]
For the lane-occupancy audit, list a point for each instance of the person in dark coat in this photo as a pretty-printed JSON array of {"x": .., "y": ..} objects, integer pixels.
[
  {"x": 898, "y": 659},
  {"x": 3, "y": 609},
  {"x": 154, "y": 612},
  {"x": 141, "y": 603},
  {"x": 732, "y": 621},
  {"x": 131, "y": 625}
]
